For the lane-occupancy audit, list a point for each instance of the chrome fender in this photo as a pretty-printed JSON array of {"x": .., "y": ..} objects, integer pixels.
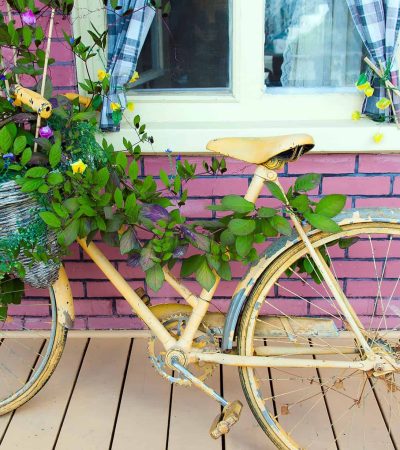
[{"x": 245, "y": 287}]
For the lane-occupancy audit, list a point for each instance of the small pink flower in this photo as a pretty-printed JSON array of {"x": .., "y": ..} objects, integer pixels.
[
  {"x": 28, "y": 18},
  {"x": 46, "y": 132}
]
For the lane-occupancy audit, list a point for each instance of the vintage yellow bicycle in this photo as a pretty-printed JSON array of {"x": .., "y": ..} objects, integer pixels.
[{"x": 297, "y": 341}]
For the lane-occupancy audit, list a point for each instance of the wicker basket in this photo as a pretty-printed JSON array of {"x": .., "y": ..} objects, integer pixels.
[{"x": 19, "y": 210}]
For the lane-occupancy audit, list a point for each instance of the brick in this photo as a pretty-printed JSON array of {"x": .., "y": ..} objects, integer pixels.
[
  {"x": 153, "y": 164},
  {"x": 85, "y": 270},
  {"x": 80, "y": 324},
  {"x": 15, "y": 324},
  {"x": 380, "y": 248},
  {"x": 31, "y": 308},
  {"x": 100, "y": 289},
  {"x": 356, "y": 185},
  {"x": 357, "y": 269},
  {"x": 62, "y": 75},
  {"x": 323, "y": 164},
  {"x": 212, "y": 186},
  {"x": 33, "y": 323},
  {"x": 93, "y": 307},
  {"x": 61, "y": 51},
  {"x": 379, "y": 164},
  {"x": 74, "y": 253},
  {"x": 366, "y": 288},
  {"x": 130, "y": 273},
  {"x": 396, "y": 186},
  {"x": 197, "y": 209},
  {"x": 112, "y": 253},
  {"x": 284, "y": 306},
  {"x": 376, "y": 202},
  {"x": 115, "y": 323}
]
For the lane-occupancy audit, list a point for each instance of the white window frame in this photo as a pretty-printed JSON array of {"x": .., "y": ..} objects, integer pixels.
[{"x": 185, "y": 121}]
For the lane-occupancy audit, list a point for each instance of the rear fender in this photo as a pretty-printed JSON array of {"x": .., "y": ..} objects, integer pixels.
[{"x": 242, "y": 292}]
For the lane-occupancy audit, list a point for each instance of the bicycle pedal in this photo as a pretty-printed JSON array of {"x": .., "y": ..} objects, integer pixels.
[
  {"x": 142, "y": 294},
  {"x": 225, "y": 421}
]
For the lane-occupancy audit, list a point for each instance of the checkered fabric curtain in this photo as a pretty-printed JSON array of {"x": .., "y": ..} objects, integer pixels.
[
  {"x": 378, "y": 22},
  {"x": 126, "y": 36}
]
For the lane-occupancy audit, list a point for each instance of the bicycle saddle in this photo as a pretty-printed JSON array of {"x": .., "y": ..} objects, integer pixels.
[{"x": 263, "y": 150}]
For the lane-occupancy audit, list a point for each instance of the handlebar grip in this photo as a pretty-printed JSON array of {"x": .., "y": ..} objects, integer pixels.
[{"x": 35, "y": 101}]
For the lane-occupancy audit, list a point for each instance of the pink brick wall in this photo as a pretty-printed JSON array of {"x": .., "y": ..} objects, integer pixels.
[{"x": 369, "y": 180}]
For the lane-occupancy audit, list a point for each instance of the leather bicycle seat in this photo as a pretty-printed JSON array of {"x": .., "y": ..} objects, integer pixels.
[{"x": 260, "y": 150}]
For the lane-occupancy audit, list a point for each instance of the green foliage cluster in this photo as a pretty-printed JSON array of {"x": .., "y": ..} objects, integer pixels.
[{"x": 89, "y": 189}]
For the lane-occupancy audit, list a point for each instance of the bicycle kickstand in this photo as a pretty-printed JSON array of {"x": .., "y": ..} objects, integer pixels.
[{"x": 231, "y": 410}]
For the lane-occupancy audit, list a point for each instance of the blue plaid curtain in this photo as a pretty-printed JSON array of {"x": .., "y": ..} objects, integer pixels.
[
  {"x": 126, "y": 36},
  {"x": 378, "y": 22}
]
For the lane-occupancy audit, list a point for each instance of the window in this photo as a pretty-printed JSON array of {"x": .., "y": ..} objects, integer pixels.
[
  {"x": 189, "y": 49},
  {"x": 209, "y": 91},
  {"x": 311, "y": 43}
]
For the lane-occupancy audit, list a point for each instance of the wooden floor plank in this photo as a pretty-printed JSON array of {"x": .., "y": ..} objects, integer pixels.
[
  {"x": 37, "y": 422},
  {"x": 191, "y": 416},
  {"x": 143, "y": 415},
  {"x": 16, "y": 359},
  {"x": 90, "y": 417},
  {"x": 246, "y": 434},
  {"x": 357, "y": 427},
  {"x": 388, "y": 398}
]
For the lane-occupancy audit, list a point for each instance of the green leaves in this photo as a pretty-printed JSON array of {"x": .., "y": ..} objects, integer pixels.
[
  {"x": 190, "y": 265},
  {"x": 55, "y": 154},
  {"x": 322, "y": 223},
  {"x": 331, "y": 205},
  {"x": 128, "y": 242},
  {"x": 102, "y": 176},
  {"x": 50, "y": 219},
  {"x": 234, "y": 203},
  {"x": 276, "y": 191},
  {"x": 244, "y": 244},
  {"x": 307, "y": 182},
  {"x": 37, "y": 172},
  {"x": 7, "y": 136},
  {"x": 242, "y": 227},
  {"x": 19, "y": 145},
  {"x": 204, "y": 275},
  {"x": 155, "y": 277},
  {"x": 281, "y": 225}
]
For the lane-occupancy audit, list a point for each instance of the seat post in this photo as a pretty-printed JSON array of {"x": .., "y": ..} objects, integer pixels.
[{"x": 261, "y": 175}]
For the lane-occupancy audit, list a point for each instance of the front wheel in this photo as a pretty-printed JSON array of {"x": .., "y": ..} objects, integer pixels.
[
  {"x": 326, "y": 407},
  {"x": 32, "y": 342}
]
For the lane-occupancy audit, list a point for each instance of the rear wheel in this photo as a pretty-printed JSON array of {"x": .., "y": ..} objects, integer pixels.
[
  {"x": 327, "y": 408},
  {"x": 32, "y": 340}
]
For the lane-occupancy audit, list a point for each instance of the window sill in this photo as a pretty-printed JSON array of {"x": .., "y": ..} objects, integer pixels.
[{"x": 345, "y": 136}]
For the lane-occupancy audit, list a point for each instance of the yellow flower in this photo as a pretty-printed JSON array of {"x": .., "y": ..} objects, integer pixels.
[
  {"x": 130, "y": 106},
  {"x": 356, "y": 115},
  {"x": 115, "y": 106},
  {"x": 135, "y": 77},
  {"x": 363, "y": 87},
  {"x": 383, "y": 103},
  {"x": 101, "y": 74},
  {"x": 369, "y": 91},
  {"x": 377, "y": 137},
  {"x": 78, "y": 166}
]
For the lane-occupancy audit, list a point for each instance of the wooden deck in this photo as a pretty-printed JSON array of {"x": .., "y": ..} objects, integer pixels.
[{"x": 106, "y": 395}]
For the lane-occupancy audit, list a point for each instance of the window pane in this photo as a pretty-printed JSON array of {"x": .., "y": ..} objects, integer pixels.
[
  {"x": 190, "y": 49},
  {"x": 311, "y": 43}
]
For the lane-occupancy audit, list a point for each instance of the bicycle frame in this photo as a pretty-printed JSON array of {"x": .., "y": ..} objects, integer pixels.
[{"x": 200, "y": 304}]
